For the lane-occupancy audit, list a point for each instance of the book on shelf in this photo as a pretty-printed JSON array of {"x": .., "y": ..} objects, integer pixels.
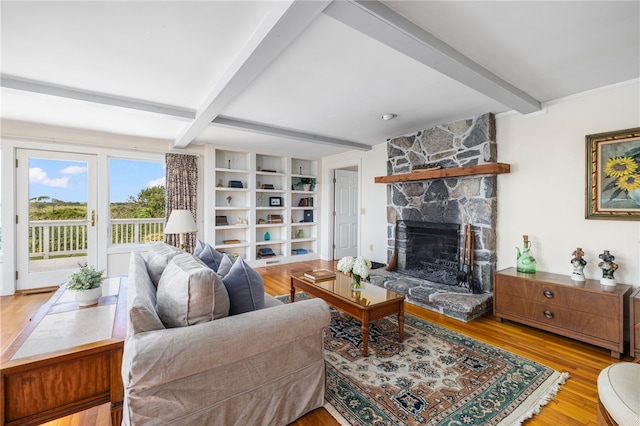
[
  {"x": 232, "y": 241},
  {"x": 320, "y": 274}
]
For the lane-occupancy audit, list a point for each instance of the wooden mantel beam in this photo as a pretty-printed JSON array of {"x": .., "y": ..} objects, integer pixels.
[{"x": 480, "y": 169}]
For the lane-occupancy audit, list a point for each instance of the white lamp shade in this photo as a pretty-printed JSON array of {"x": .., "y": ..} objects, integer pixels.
[{"x": 180, "y": 222}]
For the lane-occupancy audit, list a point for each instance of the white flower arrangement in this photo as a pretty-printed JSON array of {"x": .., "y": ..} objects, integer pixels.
[{"x": 359, "y": 267}]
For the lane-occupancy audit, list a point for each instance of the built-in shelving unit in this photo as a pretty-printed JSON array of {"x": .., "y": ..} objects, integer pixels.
[
  {"x": 304, "y": 206},
  {"x": 261, "y": 202},
  {"x": 232, "y": 203},
  {"x": 480, "y": 169}
]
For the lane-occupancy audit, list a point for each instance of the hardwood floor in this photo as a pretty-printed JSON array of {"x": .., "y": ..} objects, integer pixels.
[{"x": 575, "y": 404}]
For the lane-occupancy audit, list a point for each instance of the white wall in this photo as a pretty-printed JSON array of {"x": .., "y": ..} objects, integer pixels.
[
  {"x": 544, "y": 195},
  {"x": 372, "y": 199}
]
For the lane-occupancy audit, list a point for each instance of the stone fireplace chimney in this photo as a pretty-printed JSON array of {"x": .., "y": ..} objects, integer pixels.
[{"x": 451, "y": 200}]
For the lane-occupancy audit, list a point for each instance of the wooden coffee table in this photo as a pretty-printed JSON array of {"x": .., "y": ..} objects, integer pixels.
[
  {"x": 368, "y": 304},
  {"x": 67, "y": 359}
]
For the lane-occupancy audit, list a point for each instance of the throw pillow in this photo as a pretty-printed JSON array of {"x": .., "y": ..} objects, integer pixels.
[
  {"x": 225, "y": 265},
  {"x": 245, "y": 288},
  {"x": 141, "y": 294},
  {"x": 158, "y": 258},
  {"x": 211, "y": 257},
  {"x": 190, "y": 293},
  {"x": 198, "y": 249}
]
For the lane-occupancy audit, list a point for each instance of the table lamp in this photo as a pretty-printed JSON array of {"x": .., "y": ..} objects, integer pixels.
[{"x": 180, "y": 222}]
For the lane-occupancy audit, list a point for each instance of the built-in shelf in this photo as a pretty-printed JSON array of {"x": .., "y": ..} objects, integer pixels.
[
  {"x": 481, "y": 169},
  {"x": 269, "y": 192}
]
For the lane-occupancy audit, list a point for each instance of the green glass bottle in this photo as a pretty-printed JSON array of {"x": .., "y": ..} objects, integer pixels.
[{"x": 526, "y": 263}]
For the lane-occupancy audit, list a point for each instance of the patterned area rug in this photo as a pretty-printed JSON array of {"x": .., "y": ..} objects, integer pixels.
[{"x": 435, "y": 377}]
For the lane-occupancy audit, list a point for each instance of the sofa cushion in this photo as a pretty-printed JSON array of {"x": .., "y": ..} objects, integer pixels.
[
  {"x": 158, "y": 258},
  {"x": 141, "y": 296},
  {"x": 245, "y": 288},
  {"x": 225, "y": 265},
  {"x": 211, "y": 257},
  {"x": 198, "y": 248},
  {"x": 190, "y": 293}
]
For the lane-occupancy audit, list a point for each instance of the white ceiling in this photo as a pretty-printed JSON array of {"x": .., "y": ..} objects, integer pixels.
[{"x": 317, "y": 73}]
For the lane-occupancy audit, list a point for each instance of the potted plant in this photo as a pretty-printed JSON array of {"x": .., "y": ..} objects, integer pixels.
[
  {"x": 307, "y": 183},
  {"x": 87, "y": 284}
]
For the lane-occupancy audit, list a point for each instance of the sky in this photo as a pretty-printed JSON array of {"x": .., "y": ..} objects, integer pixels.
[{"x": 67, "y": 180}]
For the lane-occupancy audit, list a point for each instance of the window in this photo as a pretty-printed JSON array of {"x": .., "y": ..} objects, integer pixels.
[{"x": 136, "y": 200}]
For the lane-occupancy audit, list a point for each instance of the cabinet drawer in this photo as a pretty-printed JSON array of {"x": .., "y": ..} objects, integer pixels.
[
  {"x": 560, "y": 296},
  {"x": 546, "y": 314}
]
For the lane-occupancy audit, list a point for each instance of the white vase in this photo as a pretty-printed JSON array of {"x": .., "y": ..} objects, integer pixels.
[
  {"x": 635, "y": 195},
  {"x": 88, "y": 297},
  {"x": 306, "y": 187}
]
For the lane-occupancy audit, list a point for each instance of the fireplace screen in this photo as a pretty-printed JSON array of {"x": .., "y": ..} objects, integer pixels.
[{"x": 429, "y": 251}]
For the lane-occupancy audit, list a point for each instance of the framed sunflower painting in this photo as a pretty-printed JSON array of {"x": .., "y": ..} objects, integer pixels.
[{"x": 613, "y": 175}]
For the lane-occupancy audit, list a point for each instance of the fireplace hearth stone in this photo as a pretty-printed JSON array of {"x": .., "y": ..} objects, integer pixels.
[
  {"x": 452, "y": 301},
  {"x": 462, "y": 200}
]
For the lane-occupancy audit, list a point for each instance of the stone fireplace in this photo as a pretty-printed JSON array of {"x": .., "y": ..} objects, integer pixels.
[
  {"x": 428, "y": 250},
  {"x": 449, "y": 203}
]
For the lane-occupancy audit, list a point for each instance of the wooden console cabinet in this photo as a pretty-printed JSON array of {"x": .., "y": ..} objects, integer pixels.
[
  {"x": 634, "y": 323},
  {"x": 68, "y": 359},
  {"x": 587, "y": 311}
]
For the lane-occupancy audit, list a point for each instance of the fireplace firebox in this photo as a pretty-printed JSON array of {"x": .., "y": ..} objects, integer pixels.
[{"x": 429, "y": 251}]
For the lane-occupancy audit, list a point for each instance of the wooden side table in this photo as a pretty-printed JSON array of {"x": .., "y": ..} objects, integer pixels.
[
  {"x": 68, "y": 359},
  {"x": 585, "y": 311}
]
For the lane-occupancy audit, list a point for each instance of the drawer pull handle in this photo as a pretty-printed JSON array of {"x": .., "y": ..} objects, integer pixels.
[
  {"x": 548, "y": 314},
  {"x": 548, "y": 294}
]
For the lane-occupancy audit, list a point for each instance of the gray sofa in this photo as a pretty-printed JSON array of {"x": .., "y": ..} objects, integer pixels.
[{"x": 264, "y": 367}]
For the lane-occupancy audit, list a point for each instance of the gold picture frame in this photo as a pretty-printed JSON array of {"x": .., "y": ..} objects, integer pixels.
[{"x": 613, "y": 175}]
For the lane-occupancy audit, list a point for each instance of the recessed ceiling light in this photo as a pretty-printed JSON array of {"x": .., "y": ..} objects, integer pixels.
[{"x": 388, "y": 116}]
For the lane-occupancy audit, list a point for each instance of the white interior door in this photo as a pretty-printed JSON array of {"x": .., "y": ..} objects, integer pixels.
[
  {"x": 56, "y": 224},
  {"x": 346, "y": 214}
]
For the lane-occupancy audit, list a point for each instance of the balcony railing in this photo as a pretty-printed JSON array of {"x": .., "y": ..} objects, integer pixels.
[
  {"x": 132, "y": 231},
  {"x": 69, "y": 237}
]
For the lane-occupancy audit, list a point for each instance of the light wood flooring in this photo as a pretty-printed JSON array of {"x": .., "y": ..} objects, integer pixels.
[{"x": 575, "y": 404}]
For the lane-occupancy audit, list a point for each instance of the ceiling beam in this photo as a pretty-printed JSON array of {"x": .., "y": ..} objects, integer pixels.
[
  {"x": 95, "y": 97},
  {"x": 286, "y": 133},
  {"x": 278, "y": 29},
  {"x": 390, "y": 28}
]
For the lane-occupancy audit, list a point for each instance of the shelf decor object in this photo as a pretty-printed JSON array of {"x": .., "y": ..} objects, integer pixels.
[
  {"x": 608, "y": 267},
  {"x": 308, "y": 215},
  {"x": 275, "y": 201},
  {"x": 274, "y": 218}
]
